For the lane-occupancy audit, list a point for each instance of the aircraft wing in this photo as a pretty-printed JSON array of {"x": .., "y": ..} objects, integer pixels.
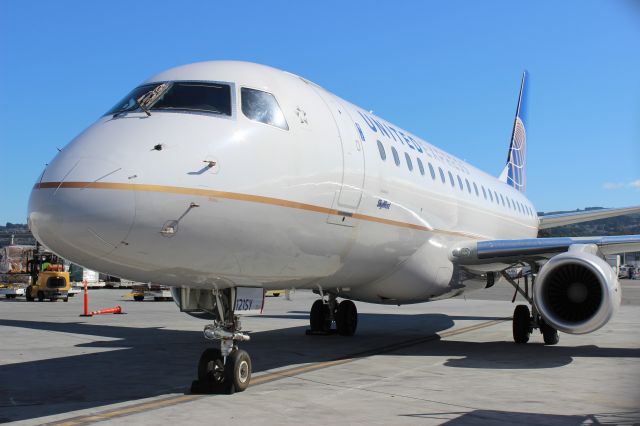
[
  {"x": 508, "y": 252},
  {"x": 554, "y": 220}
]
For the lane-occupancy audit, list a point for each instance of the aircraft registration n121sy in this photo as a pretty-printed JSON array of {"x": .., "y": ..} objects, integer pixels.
[{"x": 223, "y": 179}]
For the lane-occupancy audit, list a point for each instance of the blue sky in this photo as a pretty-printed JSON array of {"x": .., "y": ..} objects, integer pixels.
[{"x": 447, "y": 71}]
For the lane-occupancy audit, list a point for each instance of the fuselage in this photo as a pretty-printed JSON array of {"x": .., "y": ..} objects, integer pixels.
[{"x": 308, "y": 191}]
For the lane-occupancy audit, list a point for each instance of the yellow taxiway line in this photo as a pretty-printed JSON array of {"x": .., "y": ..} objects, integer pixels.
[{"x": 268, "y": 377}]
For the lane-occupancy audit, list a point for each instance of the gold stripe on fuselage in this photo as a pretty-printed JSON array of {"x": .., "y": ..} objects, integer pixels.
[{"x": 241, "y": 197}]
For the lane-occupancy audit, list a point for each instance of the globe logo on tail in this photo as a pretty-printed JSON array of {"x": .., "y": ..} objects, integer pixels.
[{"x": 516, "y": 176}]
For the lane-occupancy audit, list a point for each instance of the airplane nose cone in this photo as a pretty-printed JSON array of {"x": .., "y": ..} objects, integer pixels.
[{"x": 82, "y": 209}]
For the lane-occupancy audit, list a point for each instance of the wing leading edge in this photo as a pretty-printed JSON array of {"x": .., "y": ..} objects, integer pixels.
[
  {"x": 561, "y": 219},
  {"x": 507, "y": 252}
]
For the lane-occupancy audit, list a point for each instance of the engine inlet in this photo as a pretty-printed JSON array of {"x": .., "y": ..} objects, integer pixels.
[{"x": 573, "y": 293}]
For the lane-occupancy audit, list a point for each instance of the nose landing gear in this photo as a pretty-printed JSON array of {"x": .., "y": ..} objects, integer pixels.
[{"x": 228, "y": 369}]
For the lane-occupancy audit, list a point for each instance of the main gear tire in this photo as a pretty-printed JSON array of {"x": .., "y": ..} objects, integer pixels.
[
  {"x": 549, "y": 334},
  {"x": 521, "y": 324},
  {"x": 347, "y": 318},
  {"x": 319, "y": 317}
]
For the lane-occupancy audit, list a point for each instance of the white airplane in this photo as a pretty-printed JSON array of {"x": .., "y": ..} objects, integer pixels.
[{"x": 224, "y": 179}]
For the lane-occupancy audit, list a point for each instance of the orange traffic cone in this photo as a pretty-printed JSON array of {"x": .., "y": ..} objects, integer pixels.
[
  {"x": 86, "y": 301},
  {"x": 116, "y": 310}
]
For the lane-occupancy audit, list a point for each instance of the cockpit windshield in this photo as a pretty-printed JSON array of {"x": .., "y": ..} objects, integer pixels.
[{"x": 211, "y": 98}]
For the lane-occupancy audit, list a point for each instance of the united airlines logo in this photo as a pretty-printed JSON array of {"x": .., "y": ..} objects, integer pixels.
[
  {"x": 518, "y": 157},
  {"x": 378, "y": 126}
]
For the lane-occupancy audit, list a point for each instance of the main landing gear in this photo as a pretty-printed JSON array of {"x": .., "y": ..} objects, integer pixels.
[
  {"x": 228, "y": 369},
  {"x": 525, "y": 320},
  {"x": 326, "y": 312}
]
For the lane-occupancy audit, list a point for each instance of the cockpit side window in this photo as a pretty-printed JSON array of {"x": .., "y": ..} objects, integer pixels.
[
  {"x": 262, "y": 107},
  {"x": 190, "y": 96},
  {"x": 130, "y": 102}
]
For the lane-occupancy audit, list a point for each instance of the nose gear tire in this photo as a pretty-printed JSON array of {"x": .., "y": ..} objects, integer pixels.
[
  {"x": 238, "y": 370},
  {"x": 211, "y": 373}
]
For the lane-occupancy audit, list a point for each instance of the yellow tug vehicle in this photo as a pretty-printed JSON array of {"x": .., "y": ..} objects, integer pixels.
[{"x": 49, "y": 280}]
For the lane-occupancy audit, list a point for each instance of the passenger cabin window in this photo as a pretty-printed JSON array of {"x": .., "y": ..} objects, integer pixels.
[
  {"x": 442, "y": 175},
  {"x": 178, "y": 96},
  {"x": 469, "y": 186},
  {"x": 396, "y": 157},
  {"x": 475, "y": 188},
  {"x": 383, "y": 153},
  {"x": 408, "y": 160},
  {"x": 420, "y": 166},
  {"x": 262, "y": 107},
  {"x": 432, "y": 172},
  {"x": 453, "y": 185},
  {"x": 484, "y": 192},
  {"x": 460, "y": 183}
]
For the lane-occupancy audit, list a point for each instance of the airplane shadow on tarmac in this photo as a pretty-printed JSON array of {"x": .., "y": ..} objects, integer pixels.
[
  {"x": 492, "y": 417},
  {"x": 147, "y": 362}
]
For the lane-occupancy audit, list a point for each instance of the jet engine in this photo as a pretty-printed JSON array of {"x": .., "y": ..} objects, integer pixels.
[{"x": 577, "y": 292}]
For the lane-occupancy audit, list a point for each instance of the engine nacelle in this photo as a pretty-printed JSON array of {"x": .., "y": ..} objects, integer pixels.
[{"x": 577, "y": 292}]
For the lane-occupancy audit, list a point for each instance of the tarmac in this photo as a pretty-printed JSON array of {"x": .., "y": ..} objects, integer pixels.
[{"x": 447, "y": 362}]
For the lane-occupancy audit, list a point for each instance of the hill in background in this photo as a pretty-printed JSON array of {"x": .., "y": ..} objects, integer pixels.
[{"x": 21, "y": 233}]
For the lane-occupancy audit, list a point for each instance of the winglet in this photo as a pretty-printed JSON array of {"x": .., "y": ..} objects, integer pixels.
[{"x": 515, "y": 171}]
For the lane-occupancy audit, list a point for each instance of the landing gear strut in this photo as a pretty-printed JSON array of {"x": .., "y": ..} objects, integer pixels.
[
  {"x": 524, "y": 321},
  {"x": 228, "y": 369},
  {"x": 325, "y": 312}
]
